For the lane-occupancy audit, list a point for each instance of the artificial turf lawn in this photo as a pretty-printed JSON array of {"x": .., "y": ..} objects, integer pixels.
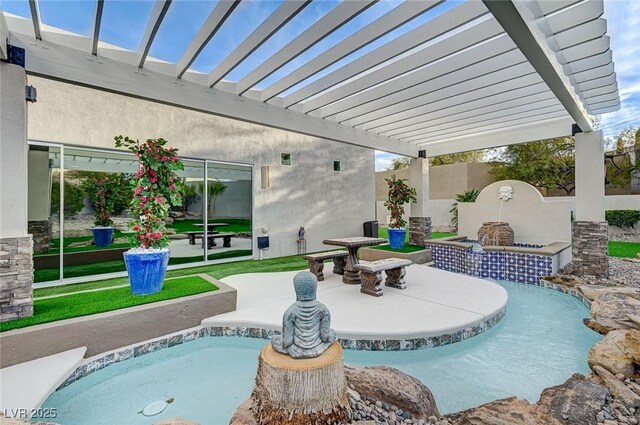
[
  {"x": 624, "y": 249},
  {"x": 84, "y": 304},
  {"x": 384, "y": 234},
  {"x": 46, "y": 275},
  {"x": 55, "y": 245},
  {"x": 218, "y": 271},
  {"x": 407, "y": 248},
  {"x": 236, "y": 225}
]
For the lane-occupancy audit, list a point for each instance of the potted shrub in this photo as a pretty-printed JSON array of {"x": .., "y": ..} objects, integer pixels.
[
  {"x": 157, "y": 188},
  {"x": 102, "y": 197},
  {"x": 399, "y": 194}
]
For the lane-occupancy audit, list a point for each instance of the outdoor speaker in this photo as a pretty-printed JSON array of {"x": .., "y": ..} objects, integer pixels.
[
  {"x": 575, "y": 129},
  {"x": 422, "y": 153},
  {"x": 30, "y": 94}
]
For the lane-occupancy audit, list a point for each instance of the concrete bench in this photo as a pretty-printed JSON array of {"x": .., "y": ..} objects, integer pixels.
[
  {"x": 371, "y": 274},
  {"x": 226, "y": 239},
  {"x": 316, "y": 262}
]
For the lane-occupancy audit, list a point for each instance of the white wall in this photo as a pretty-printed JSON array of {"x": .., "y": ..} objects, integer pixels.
[
  {"x": 532, "y": 218},
  {"x": 308, "y": 193},
  {"x": 13, "y": 152}
]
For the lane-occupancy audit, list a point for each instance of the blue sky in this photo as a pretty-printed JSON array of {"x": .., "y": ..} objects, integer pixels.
[{"x": 122, "y": 26}]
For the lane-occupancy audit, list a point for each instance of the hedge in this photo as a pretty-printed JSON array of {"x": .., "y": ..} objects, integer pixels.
[{"x": 622, "y": 218}]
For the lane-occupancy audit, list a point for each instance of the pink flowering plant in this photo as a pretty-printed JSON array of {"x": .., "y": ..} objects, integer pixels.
[
  {"x": 157, "y": 188},
  {"x": 399, "y": 194},
  {"x": 103, "y": 199}
]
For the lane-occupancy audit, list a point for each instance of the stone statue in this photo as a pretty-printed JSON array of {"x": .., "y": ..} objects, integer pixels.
[{"x": 306, "y": 331}]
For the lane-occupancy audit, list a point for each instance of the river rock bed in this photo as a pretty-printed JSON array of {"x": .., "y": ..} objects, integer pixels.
[
  {"x": 622, "y": 272},
  {"x": 366, "y": 410}
]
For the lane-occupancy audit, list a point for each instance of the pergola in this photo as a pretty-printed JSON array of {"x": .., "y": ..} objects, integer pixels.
[
  {"x": 475, "y": 75},
  {"x": 479, "y": 75}
]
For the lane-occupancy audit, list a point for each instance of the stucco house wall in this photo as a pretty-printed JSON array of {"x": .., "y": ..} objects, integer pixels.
[{"x": 307, "y": 193}]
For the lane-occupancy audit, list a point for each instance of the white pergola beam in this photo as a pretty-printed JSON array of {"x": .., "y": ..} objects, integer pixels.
[
  {"x": 599, "y": 82},
  {"x": 158, "y": 13},
  {"x": 373, "y": 31},
  {"x": 500, "y": 83},
  {"x": 494, "y": 94},
  {"x": 533, "y": 109},
  {"x": 589, "y": 62},
  {"x": 34, "y": 6},
  {"x": 444, "y": 23},
  {"x": 587, "y": 94},
  {"x": 583, "y": 12},
  {"x": 478, "y": 53},
  {"x": 584, "y": 50},
  {"x": 595, "y": 73},
  {"x": 96, "y": 27},
  {"x": 337, "y": 17},
  {"x": 499, "y": 125},
  {"x": 526, "y": 36},
  {"x": 579, "y": 34},
  {"x": 417, "y": 62},
  {"x": 490, "y": 70},
  {"x": 220, "y": 13},
  {"x": 510, "y": 136},
  {"x": 287, "y": 11},
  {"x": 462, "y": 110},
  {"x": 70, "y": 65}
]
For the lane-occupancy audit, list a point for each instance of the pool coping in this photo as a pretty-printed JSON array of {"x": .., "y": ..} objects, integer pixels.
[{"x": 100, "y": 361}]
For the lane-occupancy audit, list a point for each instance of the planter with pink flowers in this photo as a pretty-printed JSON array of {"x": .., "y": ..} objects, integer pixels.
[{"x": 157, "y": 188}]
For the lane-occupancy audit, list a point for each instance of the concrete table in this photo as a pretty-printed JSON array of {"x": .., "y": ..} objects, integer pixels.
[{"x": 351, "y": 275}]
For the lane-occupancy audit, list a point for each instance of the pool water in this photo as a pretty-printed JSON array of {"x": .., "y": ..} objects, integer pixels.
[{"x": 541, "y": 342}]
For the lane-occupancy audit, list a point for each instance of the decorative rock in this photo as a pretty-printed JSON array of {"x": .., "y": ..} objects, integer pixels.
[
  {"x": 576, "y": 402},
  {"x": 617, "y": 387},
  {"x": 393, "y": 386},
  {"x": 614, "y": 309},
  {"x": 614, "y": 354}
]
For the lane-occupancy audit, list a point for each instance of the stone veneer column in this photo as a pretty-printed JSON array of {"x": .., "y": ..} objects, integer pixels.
[
  {"x": 16, "y": 246},
  {"x": 590, "y": 248},
  {"x": 16, "y": 274},
  {"x": 419, "y": 230},
  {"x": 590, "y": 232}
]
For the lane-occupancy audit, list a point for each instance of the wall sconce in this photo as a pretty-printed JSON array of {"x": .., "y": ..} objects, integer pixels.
[{"x": 265, "y": 180}]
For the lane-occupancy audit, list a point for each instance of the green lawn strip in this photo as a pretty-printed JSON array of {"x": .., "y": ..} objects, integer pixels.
[
  {"x": 55, "y": 245},
  {"x": 383, "y": 233},
  {"x": 236, "y": 225},
  {"x": 624, "y": 249},
  {"x": 46, "y": 275},
  {"x": 406, "y": 249},
  {"x": 217, "y": 271},
  {"x": 77, "y": 305}
]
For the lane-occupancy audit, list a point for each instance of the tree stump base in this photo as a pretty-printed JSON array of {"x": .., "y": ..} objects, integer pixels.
[{"x": 301, "y": 391}]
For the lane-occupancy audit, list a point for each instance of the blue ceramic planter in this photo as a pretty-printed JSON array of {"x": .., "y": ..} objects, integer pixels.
[
  {"x": 103, "y": 236},
  {"x": 146, "y": 271},
  {"x": 396, "y": 238}
]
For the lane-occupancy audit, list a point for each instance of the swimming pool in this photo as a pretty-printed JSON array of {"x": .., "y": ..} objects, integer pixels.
[{"x": 541, "y": 342}]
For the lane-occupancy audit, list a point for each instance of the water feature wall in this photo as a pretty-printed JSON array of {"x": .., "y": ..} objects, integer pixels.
[
  {"x": 524, "y": 263},
  {"x": 533, "y": 218}
]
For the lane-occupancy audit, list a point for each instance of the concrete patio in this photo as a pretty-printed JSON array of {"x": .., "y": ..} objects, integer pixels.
[{"x": 435, "y": 302}]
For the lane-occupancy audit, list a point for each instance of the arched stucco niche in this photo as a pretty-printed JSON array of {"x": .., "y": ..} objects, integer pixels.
[{"x": 533, "y": 219}]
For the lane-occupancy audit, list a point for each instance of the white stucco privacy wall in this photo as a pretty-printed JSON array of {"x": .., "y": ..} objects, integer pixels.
[
  {"x": 307, "y": 193},
  {"x": 533, "y": 218}
]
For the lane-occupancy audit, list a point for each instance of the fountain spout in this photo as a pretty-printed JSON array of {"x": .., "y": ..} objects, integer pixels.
[{"x": 485, "y": 237}]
